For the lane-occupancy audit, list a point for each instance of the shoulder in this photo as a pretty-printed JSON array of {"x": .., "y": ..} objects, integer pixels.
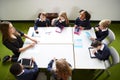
[
  {"x": 47, "y": 19},
  {"x": 87, "y": 21},
  {"x": 5, "y": 42},
  {"x": 20, "y": 32},
  {"x": 37, "y": 19},
  {"x": 77, "y": 18},
  {"x": 106, "y": 47},
  {"x": 106, "y": 32}
]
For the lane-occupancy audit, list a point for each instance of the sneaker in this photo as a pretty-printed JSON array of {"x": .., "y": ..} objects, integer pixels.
[{"x": 5, "y": 59}]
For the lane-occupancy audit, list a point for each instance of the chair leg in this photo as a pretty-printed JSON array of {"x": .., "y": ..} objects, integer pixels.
[
  {"x": 108, "y": 73},
  {"x": 98, "y": 75}
]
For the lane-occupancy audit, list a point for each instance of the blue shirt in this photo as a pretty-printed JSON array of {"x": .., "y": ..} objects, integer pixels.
[
  {"x": 61, "y": 24},
  {"x": 101, "y": 35},
  {"x": 84, "y": 23},
  {"x": 39, "y": 23},
  {"x": 29, "y": 74},
  {"x": 103, "y": 54}
]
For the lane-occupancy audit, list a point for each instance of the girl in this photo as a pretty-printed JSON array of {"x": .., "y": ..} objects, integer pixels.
[
  {"x": 61, "y": 21},
  {"x": 42, "y": 21},
  {"x": 62, "y": 70},
  {"x": 11, "y": 38},
  {"x": 83, "y": 21},
  {"x": 102, "y": 30}
]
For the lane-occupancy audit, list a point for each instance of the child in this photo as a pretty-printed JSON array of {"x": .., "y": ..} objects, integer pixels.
[
  {"x": 42, "y": 21},
  {"x": 21, "y": 73},
  {"x": 62, "y": 21},
  {"x": 83, "y": 21},
  {"x": 62, "y": 69},
  {"x": 101, "y": 50},
  {"x": 102, "y": 30},
  {"x": 12, "y": 39}
]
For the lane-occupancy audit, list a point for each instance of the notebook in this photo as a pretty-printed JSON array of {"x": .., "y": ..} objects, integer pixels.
[
  {"x": 91, "y": 52},
  {"x": 77, "y": 31},
  {"x": 27, "y": 63}
]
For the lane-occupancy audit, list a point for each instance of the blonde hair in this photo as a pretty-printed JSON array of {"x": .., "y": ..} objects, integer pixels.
[
  {"x": 64, "y": 15},
  {"x": 105, "y": 23},
  {"x": 63, "y": 69}
]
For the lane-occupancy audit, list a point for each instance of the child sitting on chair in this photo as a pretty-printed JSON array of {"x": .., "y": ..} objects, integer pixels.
[
  {"x": 62, "y": 69},
  {"x": 62, "y": 21},
  {"x": 101, "y": 51},
  {"x": 83, "y": 21},
  {"x": 24, "y": 74},
  {"x": 41, "y": 21},
  {"x": 102, "y": 30}
]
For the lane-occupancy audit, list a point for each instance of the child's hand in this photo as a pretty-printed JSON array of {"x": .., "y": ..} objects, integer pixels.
[
  {"x": 33, "y": 60},
  {"x": 91, "y": 38},
  {"x": 81, "y": 28},
  {"x": 94, "y": 51},
  {"x": 96, "y": 28}
]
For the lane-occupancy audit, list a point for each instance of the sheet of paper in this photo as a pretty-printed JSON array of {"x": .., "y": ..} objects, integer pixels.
[{"x": 78, "y": 43}]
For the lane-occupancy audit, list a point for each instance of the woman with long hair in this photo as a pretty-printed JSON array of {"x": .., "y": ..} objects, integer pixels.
[{"x": 11, "y": 38}]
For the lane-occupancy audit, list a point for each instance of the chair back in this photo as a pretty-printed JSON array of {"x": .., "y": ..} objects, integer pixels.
[
  {"x": 109, "y": 38},
  {"x": 111, "y": 35},
  {"x": 41, "y": 76},
  {"x": 114, "y": 55}
]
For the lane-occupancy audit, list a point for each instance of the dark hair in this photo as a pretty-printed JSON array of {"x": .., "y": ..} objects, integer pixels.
[
  {"x": 81, "y": 10},
  {"x": 4, "y": 28},
  {"x": 96, "y": 43},
  {"x": 87, "y": 15},
  {"x": 16, "y": 69},
  {"x": 43, "y": 13}
]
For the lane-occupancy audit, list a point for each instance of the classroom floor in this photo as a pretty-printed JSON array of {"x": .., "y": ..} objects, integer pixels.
[{"x": 78, "y": 74}]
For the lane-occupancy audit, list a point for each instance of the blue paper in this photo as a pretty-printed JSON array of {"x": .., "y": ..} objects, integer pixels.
[{"x": 78, "y": 43}]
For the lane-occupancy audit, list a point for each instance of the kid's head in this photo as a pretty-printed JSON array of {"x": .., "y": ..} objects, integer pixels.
[
  {"x": 16, "y": 69},
  {"x": 103, "y": 24},
  {"x": 62, "y": 15},
  {"x": 96, "y": 44},
  {"x": 42, "y": 15},
  {"x": 84, "y": 15},
  {"x": 63, "y": 69}
]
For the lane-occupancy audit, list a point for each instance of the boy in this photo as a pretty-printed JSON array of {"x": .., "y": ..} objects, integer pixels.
[
  {"x": 41, "y": 21},
  {"x": 101, "y": 51},
  {"x": 102, "y": 30},
  {"x": 24, "y": 74}
]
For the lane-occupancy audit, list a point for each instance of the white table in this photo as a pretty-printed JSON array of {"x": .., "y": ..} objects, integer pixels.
[
  {"x": 44, "y": 53},
  {"x": 62, "y": 45},
  {"x": 81, "y": 52},
  {"x": 49, "y": 35}
]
